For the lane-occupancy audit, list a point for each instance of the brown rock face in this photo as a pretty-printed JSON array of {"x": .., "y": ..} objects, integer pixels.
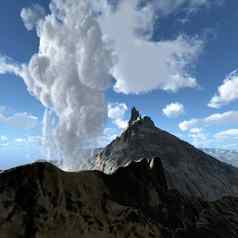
[
  {"x": 187, "y": 169},
  {"x": 41, "y": 201}
]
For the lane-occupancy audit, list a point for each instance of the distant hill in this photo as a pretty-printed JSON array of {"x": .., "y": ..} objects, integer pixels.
[
  {"x": 187, "y": 169},
  {"x": 227, "y": 156}
]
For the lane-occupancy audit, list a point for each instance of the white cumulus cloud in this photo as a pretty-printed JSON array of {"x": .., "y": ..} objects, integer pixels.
[
  {"x": 116, "y": 112},
  {"x": 144, "y": 65},
  {"x": 227, "y": 92},
  {"x": 173, "y": 109}
]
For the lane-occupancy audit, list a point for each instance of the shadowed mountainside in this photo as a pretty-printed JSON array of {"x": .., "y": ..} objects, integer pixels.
[{"x": 41, "y": 201}]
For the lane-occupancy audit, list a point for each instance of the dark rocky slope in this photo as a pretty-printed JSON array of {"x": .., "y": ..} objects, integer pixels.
[
  {"x": 41, "y": 201},
  {"x": 187, "y": 169}
]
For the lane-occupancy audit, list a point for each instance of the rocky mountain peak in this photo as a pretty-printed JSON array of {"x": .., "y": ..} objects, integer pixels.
[
  {"x": 137, "y": 119},
  {"x": 135, "y": 116}
]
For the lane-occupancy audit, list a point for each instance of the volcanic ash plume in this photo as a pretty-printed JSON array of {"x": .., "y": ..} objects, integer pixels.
[{"x": 69, "y": 74}]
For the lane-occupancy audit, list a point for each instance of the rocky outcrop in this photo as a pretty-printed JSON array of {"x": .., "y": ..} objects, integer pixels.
[
  {"x": 41, "y": 201},
  {"x": 187, "y": 169}
]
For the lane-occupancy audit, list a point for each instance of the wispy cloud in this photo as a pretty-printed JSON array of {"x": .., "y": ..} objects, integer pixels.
[
  {"x": 19, "y": 120},
  {"x": 199, "y": 137},
  {"x": 8, "y": 65},
  {"x": 166, "y": 7},
  {"x": 231, "y": 134},
  {"x": 230, "y": 117}
]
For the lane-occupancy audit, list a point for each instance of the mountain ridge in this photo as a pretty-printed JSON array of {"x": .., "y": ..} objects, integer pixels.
[{"x": 42, "y": 201}]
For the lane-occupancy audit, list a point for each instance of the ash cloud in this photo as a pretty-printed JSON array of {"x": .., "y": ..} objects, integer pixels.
[{"x": 69, "y": 75}]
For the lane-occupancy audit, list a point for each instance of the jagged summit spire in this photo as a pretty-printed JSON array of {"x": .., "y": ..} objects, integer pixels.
[{"x": 135, "y": 116}]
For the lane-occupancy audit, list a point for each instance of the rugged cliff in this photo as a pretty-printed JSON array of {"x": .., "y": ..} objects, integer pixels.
[
  {"x": 187, "y": 169},
  {"x": 41, "y": 201}
]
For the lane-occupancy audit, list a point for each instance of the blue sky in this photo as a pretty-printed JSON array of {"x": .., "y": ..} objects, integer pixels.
[{"x": 208, "y": 44}]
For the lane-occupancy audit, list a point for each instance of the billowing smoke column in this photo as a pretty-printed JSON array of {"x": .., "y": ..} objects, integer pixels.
[{"x": 68, "y": 75}]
